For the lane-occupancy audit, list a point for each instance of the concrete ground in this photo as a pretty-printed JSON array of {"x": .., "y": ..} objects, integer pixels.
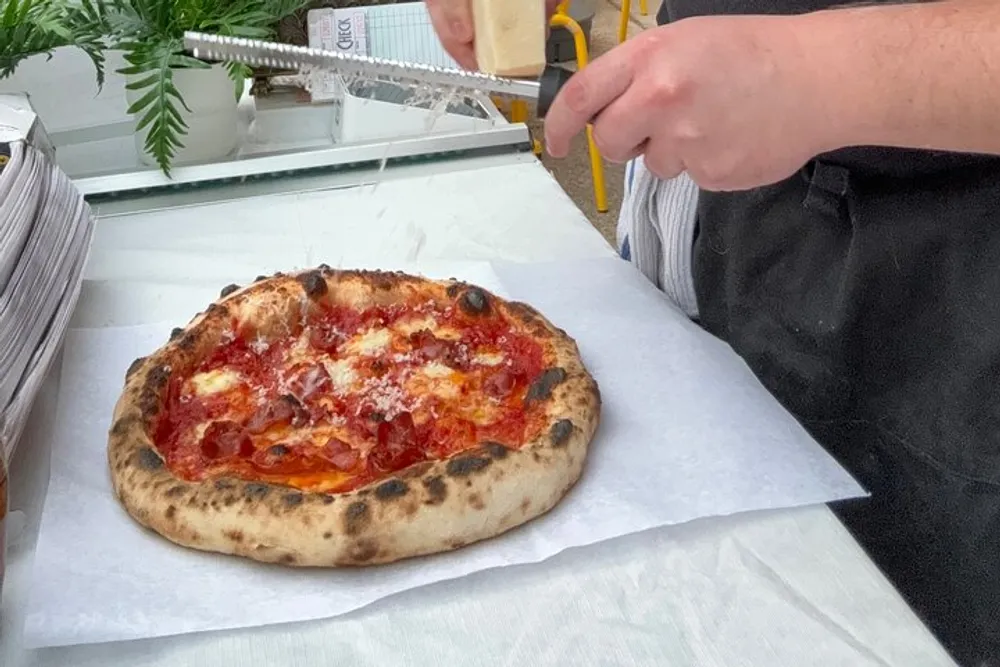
[{"x": 573, "y": 172}]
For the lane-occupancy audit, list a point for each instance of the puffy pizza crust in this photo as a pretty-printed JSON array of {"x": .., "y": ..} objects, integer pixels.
[{"x": 427, "y": 508}]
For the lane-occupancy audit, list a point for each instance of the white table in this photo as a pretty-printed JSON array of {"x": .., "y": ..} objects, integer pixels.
[{"x": 761, "y": 589}]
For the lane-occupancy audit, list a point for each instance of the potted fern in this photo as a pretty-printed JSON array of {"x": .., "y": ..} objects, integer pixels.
[
  {"x": 39, "y": 27},
  {"x": 185, "y": 108}
]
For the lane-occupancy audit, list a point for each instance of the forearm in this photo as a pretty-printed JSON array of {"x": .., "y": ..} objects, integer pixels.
[{"x": 916, "y": 75}]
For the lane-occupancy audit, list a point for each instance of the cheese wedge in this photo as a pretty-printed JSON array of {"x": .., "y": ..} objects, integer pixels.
[{"x": 510, "y": 36}]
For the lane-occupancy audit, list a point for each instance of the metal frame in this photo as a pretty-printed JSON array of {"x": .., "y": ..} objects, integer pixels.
[{"x": 510, "y": 137}]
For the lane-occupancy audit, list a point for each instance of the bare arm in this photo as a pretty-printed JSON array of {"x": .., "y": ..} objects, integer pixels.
[{"x": 919, "y": 75}]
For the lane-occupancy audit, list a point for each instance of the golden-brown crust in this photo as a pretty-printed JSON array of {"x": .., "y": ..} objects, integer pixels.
[{"x": 429, "y": 507}]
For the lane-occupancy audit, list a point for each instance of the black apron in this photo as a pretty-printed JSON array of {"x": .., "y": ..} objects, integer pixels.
[{"x": 864, "y": 292}]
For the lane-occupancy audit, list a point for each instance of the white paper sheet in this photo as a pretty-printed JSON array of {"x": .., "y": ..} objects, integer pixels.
[{"x": 687, "y": 432}]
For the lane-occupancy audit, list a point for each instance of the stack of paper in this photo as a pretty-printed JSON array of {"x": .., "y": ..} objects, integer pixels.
[{"x": 45, "y": 232}]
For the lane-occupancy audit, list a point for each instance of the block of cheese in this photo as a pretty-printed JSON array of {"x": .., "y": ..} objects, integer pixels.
[{"x": 510, "y": 36}]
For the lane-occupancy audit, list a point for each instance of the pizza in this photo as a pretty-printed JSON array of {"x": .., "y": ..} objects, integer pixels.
[{"x": 330, "y": 418}]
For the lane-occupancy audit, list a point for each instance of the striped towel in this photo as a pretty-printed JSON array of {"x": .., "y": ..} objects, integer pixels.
[{"x": 655, "y": 231}]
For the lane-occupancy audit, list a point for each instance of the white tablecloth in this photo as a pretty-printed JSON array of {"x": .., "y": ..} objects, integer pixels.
[{"x": 765, "y": 589}]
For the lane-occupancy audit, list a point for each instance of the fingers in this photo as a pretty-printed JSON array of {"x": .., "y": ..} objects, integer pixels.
[
  {"x": 621, "y": 129},
  {"x": 662, "y": 160},
  {"x": 452, "y": 20},
  {"x": 584, "y": 96}
]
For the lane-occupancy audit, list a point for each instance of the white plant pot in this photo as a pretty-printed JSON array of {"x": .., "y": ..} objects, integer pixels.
[{"x": 212, "y": 122}]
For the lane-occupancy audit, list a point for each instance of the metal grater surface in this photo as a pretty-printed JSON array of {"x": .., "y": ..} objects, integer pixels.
[{"x": 259, "y": 53}]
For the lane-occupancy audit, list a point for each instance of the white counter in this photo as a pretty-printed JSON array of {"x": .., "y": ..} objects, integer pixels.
[{"x": 762, "y": 589}]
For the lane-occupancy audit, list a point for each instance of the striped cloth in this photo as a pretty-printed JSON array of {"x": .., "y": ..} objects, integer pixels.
[{"x": 655, "y": 231}]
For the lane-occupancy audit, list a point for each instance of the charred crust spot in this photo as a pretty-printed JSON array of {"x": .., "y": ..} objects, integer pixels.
[
  {"x": 541, "y": 388},
  {"x": 292, "y": 499},
  {"x": 466, "y": 465},
  {"x": 437, "y": 490},
  {"x": 223, "y": 484},
  {"x": 120, "y": 426},
  {"x": 394, "y": 488},
  {"x": 521, "y": 311},
  {"x": 313, "y": 283},
  {"x": 277, "y": 450},
  {"x": 147, "y": 459},
  {"x": 453, "y": 289},
  {"x": 324, "y": 267},
  {"x": 234, "y": 535},
  {"x": 327, "y": 535},
  {"x": 474, "y": 301},
  {"x": 212, "y": 307},
  {"x": 560, "y": 432},
  {"x": 149, "y": 403},
  {"x": 288, "y": 559},
  {"x": 259, "y": 279},
  {"x": 134, "y": 366},
  {"x": 186, "y": 342},
  {"x": 256, "y": 491},
  {"x": 476, "y": 502},
  {"x": 228, "y": 289},
  {"x": 158, "y": 377},
  {"x": 364, "y": 550},
  {"x": 171, "y": 511},
  {"x": 495, "y": 449},
  {"x": 356, "y": 517},
  {"x": 175, "y": 490},
  {"x": 327, "y": 499},
  {"x": 175, "y": 332}
]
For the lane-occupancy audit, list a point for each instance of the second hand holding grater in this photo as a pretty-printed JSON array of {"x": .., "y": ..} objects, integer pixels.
[{"x": 259, "y": 53}]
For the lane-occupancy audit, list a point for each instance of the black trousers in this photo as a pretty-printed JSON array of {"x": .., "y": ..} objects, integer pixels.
[{"x": 870, "y": 307}]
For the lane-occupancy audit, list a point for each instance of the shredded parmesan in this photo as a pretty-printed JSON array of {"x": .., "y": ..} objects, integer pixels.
[
  {"x": 259, "y": 345},
  {"x": 385, "y": 396}
]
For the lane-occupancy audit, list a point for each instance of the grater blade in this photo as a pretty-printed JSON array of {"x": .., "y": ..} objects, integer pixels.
[{"x": 259, "y": 53}]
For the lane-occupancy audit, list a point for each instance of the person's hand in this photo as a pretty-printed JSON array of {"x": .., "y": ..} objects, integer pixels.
[
  {"x": 452, "y": 20},
  {"x": 733, "y": 101}
]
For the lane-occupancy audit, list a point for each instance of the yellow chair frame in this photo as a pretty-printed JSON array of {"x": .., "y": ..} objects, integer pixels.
[
  {"x": 626, "y": 15},
  {"x": 519, "y": 108}
]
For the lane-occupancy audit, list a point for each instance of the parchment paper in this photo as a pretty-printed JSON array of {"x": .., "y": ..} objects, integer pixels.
[{"x": 687, "y": 432}]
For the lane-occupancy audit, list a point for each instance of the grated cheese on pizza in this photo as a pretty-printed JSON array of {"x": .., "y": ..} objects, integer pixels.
[{"x": 351, "y": 396}]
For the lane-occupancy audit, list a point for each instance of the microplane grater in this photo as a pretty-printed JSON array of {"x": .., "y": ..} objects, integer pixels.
[{"x": 259, "y": 53}]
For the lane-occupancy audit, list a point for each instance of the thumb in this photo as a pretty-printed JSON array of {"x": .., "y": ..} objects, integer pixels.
[{"x": 452, "y": 21}]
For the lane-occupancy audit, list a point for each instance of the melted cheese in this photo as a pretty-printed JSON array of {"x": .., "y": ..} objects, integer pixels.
[
  {"x": 488, "y": 359},
  {"x": 300, "y": 350},
  {"x": 213, "y": 382},
  {"x": 407, "y": 327},
  {"x": 370, "y": 343},
  {"x": 510, "y": 36},
  {"x": 437, "y": 379},
  {"x": 435, "y": 369},
  {"x": 342, "y": 374}
]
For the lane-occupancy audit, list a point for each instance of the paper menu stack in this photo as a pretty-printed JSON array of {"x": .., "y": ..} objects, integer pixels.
[{"x": 45, "y": 232}]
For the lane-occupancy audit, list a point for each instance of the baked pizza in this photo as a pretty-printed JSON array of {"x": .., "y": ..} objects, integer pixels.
[{"x": 338, "y": 418}]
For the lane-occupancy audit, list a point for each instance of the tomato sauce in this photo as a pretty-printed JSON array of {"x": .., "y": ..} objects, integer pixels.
[{"x": 350, "y": 440}]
